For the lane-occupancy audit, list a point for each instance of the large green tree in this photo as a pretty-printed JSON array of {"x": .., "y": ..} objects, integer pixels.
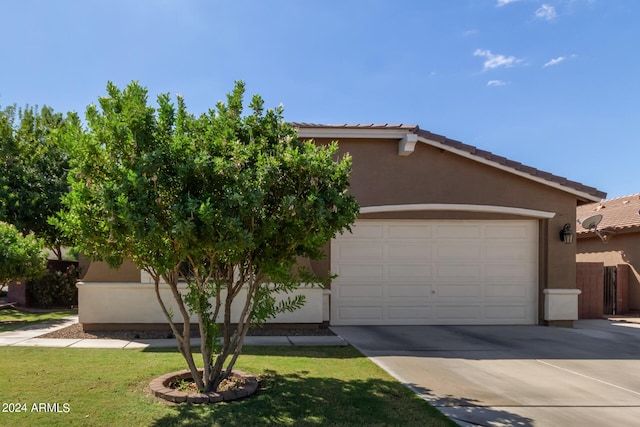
[
  {"x": 223, "y": 202},
  {"x": 21, "y": 257},
  {"x": 33, "y": 172}
]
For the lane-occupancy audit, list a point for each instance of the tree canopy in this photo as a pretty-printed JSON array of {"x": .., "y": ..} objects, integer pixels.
[
  {"x": 33, "y": 172},
  {"x": 223, "y": 202}
]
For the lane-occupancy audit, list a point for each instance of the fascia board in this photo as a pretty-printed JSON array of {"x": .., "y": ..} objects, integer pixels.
[{"x": 337, "y": 133}]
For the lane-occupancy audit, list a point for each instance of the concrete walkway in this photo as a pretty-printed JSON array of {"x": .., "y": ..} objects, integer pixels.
[{"x": 29, "y": 337}]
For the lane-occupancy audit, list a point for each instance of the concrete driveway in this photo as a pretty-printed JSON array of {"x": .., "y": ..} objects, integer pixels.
[{"x": 515, "y": 375}]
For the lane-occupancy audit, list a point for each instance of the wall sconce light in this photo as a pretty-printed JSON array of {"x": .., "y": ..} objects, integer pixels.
[{"x": 566, "y": 234}]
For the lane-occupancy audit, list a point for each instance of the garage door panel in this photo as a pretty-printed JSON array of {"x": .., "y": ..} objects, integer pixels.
[
  {"x": 509, "y": 232},
  {"x": 411, "y": 272},
  {"x": 456, "y": 253},
  {"x": 401, "y": 231},
  {"x": 409, "y": 252},
  {"x": 409, "y": 291},
  {"x": 359, "y": 313},
  {"x": 507, "y": 291},
  {"x": 361, "y": 291},
  {"x": 507, "y": 312},
  {"x": 360, "y": 271},
  {"x": 453, "y": 272},
  {"x": 457, "y": 231},
  {"x": 364, "y": 231},
  {"x": 509, "y": 252},
  {"x": 458, "y": 312},
  {"x": 358, "y": 252},
  {"x": 414, "y": 314},
  {"x": 459, "y": 291},
  {"x": 436, "y": 272},
  {"x": 519, "y": 274}
]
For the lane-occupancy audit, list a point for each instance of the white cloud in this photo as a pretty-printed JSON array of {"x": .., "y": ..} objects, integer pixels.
[
  {"x": 470, "y": 33},
  {"x": 559, "y": 59},
  {"x": 496, "y": 61},
  {"x": 554, "y": 61},
  {"x": 496, "y": 83},
  {"x": 504, "y": 2},
  {"x": 546, "y": 12}
]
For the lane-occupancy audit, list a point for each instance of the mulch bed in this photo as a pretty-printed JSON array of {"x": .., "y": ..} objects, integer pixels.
[{"x": 75, "y": 332}]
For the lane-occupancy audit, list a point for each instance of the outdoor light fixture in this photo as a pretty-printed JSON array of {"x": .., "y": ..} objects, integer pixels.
[{"x": 566, "y": 234}]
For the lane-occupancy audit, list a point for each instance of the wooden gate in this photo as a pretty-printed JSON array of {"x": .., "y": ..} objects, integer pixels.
[
  {"x": 609, "y": 289},
  {"x": 589, "y": 277},
  {"x": 605, "y": 290}
]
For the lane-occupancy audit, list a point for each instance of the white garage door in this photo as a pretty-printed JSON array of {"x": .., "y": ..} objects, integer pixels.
[{"x": 409, "y": 272}]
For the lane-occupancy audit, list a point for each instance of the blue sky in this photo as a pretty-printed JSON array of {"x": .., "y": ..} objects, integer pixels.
[{"x": 554, "y": 84}]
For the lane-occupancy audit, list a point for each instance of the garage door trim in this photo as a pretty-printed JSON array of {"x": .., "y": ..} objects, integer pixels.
[{"x": 529, "y": 213}]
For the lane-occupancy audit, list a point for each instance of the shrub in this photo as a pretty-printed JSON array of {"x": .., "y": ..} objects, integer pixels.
[
  {"x": 56, "y": 288},
  {"x": 20, "y": 256}
]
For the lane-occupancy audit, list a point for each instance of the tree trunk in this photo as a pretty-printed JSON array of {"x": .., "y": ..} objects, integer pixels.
[
  {"x": 184, "y": 339},
  {"x": 57, "y": 251}
]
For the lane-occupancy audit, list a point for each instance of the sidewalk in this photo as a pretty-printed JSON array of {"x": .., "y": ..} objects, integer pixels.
[{"x": 28, "y": 337}]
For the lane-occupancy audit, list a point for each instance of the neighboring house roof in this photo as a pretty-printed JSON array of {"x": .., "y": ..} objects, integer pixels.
[
  {"x": 409, "y": 134},
  {"x": 621, "y": 214}
]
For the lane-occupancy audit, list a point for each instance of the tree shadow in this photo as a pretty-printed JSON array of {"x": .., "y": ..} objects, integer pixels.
[
  {"x": 29, "y": 325},
  {"x": 588, "y": 340},
  {"x": 470, "y": 411},
  {"x": 321, "y": 352},
  {"x": 299, "y": 400}
]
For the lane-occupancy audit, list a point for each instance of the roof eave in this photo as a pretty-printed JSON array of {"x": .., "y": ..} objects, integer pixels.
[
  {"x": 400, "y": 132},
  {"x": 614, "y": 230}
]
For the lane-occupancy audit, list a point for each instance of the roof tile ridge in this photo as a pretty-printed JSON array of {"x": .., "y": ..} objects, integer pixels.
[{"x": 621, "y": 197}]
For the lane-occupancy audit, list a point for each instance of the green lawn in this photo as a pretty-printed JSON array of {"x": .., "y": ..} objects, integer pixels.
[
  {"x": 11, "y": 319},
  {"x": 301, "y": 386}
]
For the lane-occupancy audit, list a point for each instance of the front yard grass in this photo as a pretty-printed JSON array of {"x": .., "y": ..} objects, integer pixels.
[
  {"x": 301, "y": 386},
  {"x": 11, "y": 319}
]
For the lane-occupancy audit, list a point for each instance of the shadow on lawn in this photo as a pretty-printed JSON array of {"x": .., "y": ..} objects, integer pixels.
[
  {"x": 299, "y": 400},
  {"x": 27, "y": 325},
  {"x": 322, "y": 352}
]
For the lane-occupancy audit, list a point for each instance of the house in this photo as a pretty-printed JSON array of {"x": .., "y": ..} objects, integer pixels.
[
  {"x": 614, "y": 241},
  {"x": 447, "y": 234}
]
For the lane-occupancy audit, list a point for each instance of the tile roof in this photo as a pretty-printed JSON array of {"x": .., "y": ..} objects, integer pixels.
[
  {"x": 528, "y": 170},
  {"x": 357, "y": 126},
  {"x": 619, "y": 214}
]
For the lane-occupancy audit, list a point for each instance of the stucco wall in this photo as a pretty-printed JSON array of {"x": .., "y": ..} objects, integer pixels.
[
  {"x": 128, "y": 303},
  {"x": 95, "y": 271},
  {"x": 620, "y": 249}
]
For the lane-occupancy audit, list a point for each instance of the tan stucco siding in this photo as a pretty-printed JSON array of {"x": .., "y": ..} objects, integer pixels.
[
  {"x": 381, "y": 177},
  {"x": 101, "y": 272}
]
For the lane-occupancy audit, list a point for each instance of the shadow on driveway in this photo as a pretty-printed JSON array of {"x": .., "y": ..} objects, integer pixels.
[{"x": 590, "y": 339}]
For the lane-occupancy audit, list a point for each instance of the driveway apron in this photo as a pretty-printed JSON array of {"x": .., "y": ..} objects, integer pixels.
[{"x": 515, "y": 375}]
